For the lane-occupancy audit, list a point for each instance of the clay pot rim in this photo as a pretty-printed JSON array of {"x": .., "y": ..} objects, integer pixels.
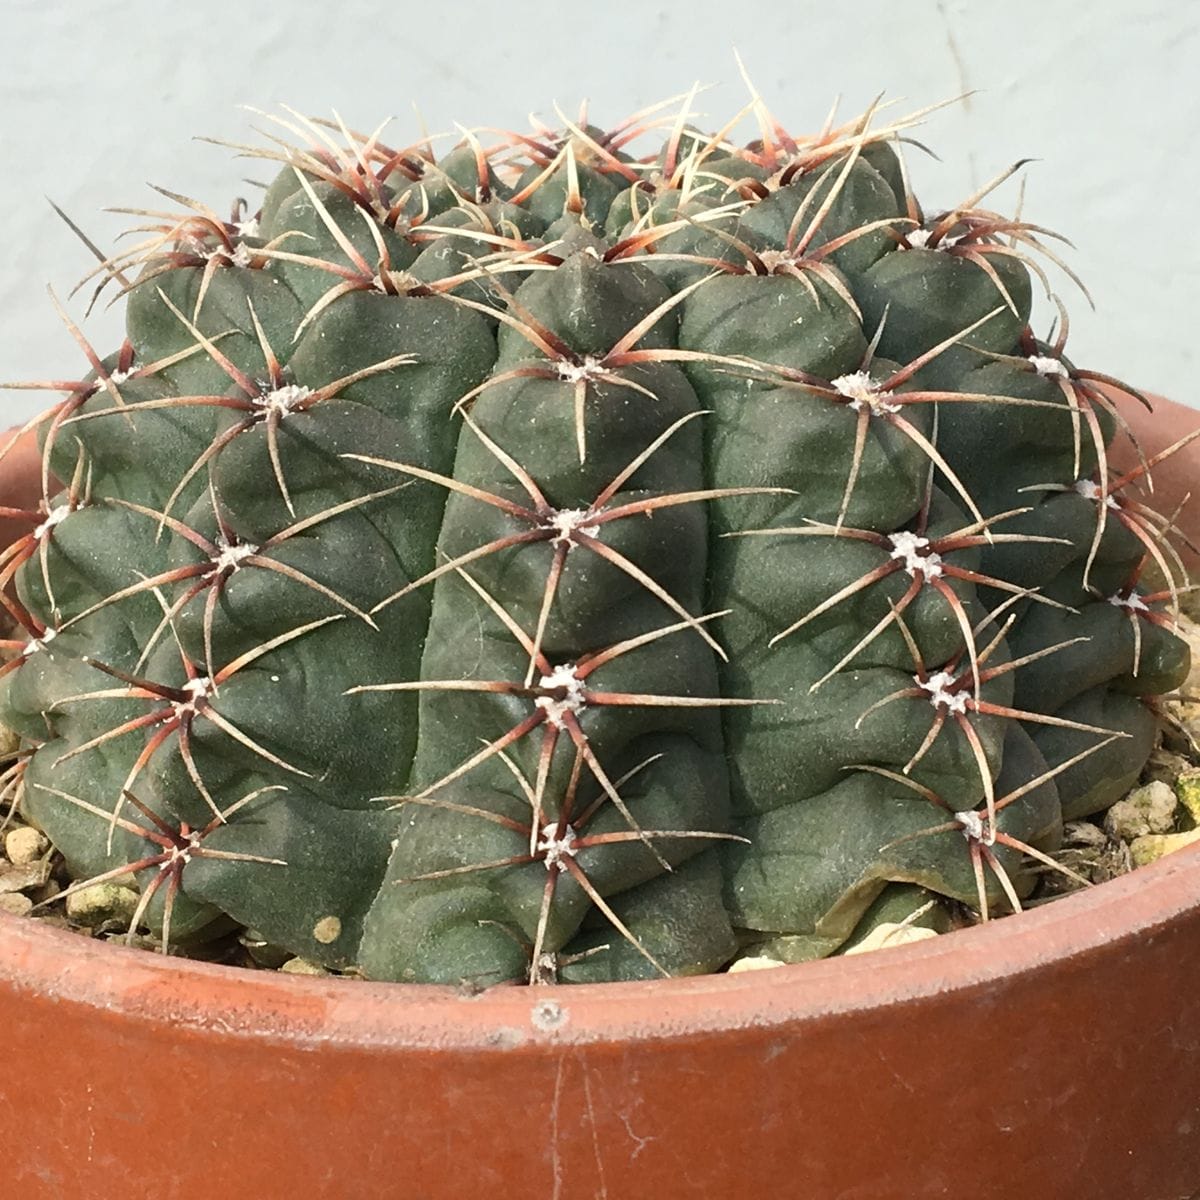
[{"x": 233, "y": 1002}]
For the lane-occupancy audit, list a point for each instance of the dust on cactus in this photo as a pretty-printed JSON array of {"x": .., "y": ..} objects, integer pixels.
[{"x": 548, "y": 561}]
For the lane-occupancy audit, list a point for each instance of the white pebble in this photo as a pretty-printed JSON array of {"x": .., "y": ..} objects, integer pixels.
[{"x": 24, "y": 845}]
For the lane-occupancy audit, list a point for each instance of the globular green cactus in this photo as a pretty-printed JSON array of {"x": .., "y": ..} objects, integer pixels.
[{"x": 545, "y": 562}]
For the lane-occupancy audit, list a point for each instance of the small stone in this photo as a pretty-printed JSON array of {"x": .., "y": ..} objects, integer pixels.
[
  {"x": 753, "y": 962},
  {"x": 1165, "y": 767},
  {"x": 327, "y": 930},
  {"x": 891, "y": 933},
  {"x": 1084, "y": 833},
  {"x": 1088, "y": 851},
  {"x": 24, "y": 845},
  {"x": 1154, "y": 846},
  {"x": 47, "y": 891},
  {"x": 24, "y": 878},
  {"x": 1146, "y": 810},
  {"x": 1187, "y": 788},
  {"x": 301, "y": 966},
  {"x": 100, "y": 903},
  {"x": 16, "y": 904},
  {"x": 127, "y": 881},
  {"x": 1187, "y": 712}
]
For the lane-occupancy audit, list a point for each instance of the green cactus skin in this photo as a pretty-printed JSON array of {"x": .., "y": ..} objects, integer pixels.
[{"x": 552, "y": 564}]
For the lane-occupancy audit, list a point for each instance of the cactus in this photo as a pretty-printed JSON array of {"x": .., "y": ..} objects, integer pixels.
[{"x": 547, "y": 563}]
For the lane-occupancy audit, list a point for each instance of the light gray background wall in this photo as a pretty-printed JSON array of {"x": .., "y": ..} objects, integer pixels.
[{"x": 99, "y": 96}]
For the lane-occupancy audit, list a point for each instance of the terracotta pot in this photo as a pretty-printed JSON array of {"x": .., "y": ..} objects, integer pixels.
[
  {"x": 20, "y": 482},
  {"x": 1174, "y": 478},
  {"x": 1054, "y": 1054}
]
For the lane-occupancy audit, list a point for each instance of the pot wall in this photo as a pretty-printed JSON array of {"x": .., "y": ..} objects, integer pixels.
[{"x": 1053, "y": 1054}]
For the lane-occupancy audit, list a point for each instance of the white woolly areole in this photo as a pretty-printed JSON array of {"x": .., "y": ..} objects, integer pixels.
[
  {"x": 55, "y": 518},
  {"x": 938, "y": 686},
  {"x": 974, "y": 828},
  {"x": 1133, "y": 602},
  {"x": 570, "y": 372},
  {"x": 573, "y": 702},
  {"x": 239, "y": 256},
  {"x": 118, "y": 377},
  {"x": 1091, "y": 491},
  {"x": 386, "y": 283},
  {"x": 556, "y": 848},
  {"x": 230, "y": 558},
  {"x": 1047, "y": 367},
  {"x": 773, "y": 259},
  {"x": 918, "y": 239},
  {"x": 283, "y": 400},
  {"x": 199, "y": 689},
  {"x": 912, "y": 550},
  {"x": 247, "y": 228},
  {"x": 569, "y": 521},
  {"x": 41, "y": 643},
  {"x": 863, "y": 392},
  {"x": 184, "y": 853}
]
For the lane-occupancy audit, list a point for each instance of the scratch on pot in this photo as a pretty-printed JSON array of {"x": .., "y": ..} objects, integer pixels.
[
  {"x": 896, "y": 1075},
  {"x": 642, "y": 1142},
  {"x": 91, "y": 1125},
  {"x": 555, "y": 1160},
  {"x": 591, "y": 1114}
]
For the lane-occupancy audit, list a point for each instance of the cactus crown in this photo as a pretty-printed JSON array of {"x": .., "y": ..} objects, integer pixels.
[{"x": 544, "y": 561}]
